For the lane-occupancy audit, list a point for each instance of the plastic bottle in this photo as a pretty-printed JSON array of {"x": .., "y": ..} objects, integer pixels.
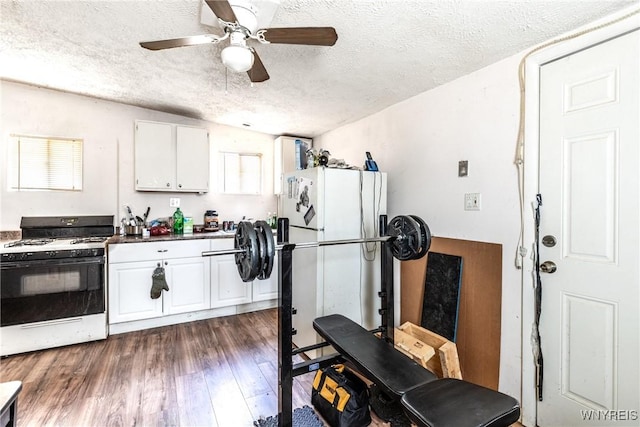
[{"x": 178, "y": 221}]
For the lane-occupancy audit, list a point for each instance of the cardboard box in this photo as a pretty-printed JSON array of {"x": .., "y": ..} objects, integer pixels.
[
  {"x": 432, "y": 351},
  {"x": 188, "y": 225}
]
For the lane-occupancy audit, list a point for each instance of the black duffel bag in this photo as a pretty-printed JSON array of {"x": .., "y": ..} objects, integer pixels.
[{"x": 341, "y": 397}]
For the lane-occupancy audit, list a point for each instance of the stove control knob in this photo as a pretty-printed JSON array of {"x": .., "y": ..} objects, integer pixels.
[
  {"x": 25, "y": 255},
  {"x": 11, "y": 257},
  {"x": 51, "y": 253},
  {"x": 74, "y": 253},
  {"x": 94, "y": 252}
]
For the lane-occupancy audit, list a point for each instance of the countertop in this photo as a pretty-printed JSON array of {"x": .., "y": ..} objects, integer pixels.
[{"x": 169, "y": 237}]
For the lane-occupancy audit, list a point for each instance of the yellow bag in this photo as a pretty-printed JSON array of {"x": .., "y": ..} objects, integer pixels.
[{"x": 340, "y": 397}]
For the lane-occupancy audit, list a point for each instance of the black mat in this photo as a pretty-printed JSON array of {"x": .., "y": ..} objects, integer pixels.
[
  {"x": 441, "y": 294},
  {"x": 302, "y": 417}
]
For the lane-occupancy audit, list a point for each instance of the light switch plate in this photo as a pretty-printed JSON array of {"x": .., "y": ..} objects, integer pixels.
[
  {"x": 472, "y": 202},
  {"x": 174, "y": 202},
  {"x": 463, "y": 168}
]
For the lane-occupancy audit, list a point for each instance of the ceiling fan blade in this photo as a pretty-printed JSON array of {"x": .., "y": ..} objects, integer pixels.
[
  {"x": 222, "y": 10},
  {"x": 179, "y": 42},
  {"x": 257, "y": 73},
  {"x": 319, "y": 36}
]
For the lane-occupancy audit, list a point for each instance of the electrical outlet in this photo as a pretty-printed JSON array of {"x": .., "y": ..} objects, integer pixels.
[
  {"x": 174, "y": 202},
  {"x": 472, "y": 202}
]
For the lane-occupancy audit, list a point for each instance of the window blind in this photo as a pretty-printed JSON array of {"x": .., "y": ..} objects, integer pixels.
[
  {"x": 47, "y": 164},
  {"x": 242, "y": 173}
]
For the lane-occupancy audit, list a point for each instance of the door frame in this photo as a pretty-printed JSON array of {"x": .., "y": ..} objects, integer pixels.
[{"x": 533, "y": 64}]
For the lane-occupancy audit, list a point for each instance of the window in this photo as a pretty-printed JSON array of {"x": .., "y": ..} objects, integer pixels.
[
  {"x": 242, "y": 173},
  {"x": 40, "y": 163}
]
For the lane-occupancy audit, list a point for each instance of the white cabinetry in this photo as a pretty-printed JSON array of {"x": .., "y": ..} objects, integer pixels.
[
  {"x": 264, "y": 290},
  {"x": 284, "y": 158},
  {"x": 171, "y": 157},
  {"x": 199, "y": 287},
  {"x": 131, "y": 267},
  {"x": 129, "y": 292},
  {"x": 227, "y": 288}
]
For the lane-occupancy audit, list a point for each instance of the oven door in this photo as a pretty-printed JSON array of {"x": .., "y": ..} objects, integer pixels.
[{"x": 35, "y": 291}]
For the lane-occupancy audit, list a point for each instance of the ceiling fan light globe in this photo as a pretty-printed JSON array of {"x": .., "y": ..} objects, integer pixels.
[{"x": 237, "y": 58}]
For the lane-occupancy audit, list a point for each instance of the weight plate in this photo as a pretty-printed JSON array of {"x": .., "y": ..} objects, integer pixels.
[
  {"x": 425, "y": 234},
  {"x": 262, "y": 228},
  {"x": 262, "y": 246},
  {"x": 408, "y": 237},
  {"x": 248, "y": 261}
]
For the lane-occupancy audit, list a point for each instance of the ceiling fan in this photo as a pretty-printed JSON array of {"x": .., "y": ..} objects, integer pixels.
[{"x": 240, "y": 24}]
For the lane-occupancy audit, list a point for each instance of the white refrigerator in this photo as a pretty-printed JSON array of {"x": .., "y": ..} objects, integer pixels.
[{"x": 333, "y": 204}]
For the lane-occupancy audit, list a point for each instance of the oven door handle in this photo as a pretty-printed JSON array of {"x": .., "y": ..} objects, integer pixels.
[{"x": 53, "y": 261}]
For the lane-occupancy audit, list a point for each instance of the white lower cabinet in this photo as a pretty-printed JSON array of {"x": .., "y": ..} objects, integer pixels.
[
  {"x": 189, "y": 290},
  {"x": 130, "y": 292},
  {"x": 227, "y": 288},
  {"x": 264, "y": 290},
  {"x": 186, "y": 273},
  {"x": 199, "y": 287}
]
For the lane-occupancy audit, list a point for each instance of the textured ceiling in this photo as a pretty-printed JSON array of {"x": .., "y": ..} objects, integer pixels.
[{"x": 387, "y": 51}]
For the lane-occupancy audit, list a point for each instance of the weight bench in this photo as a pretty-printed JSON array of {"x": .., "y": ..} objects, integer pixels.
[{"x": 427, "y": 400}]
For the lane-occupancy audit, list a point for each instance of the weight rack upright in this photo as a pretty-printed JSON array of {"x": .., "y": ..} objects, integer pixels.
[{"x": 287, "y": 370}]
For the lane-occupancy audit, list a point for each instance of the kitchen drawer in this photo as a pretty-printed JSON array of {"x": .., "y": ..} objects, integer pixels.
[
  {"x": 151, "y": 251},
  {"x": 219, "y": 244}
]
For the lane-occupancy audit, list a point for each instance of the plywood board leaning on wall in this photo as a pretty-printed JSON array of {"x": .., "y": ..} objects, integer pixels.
[{"x": 478, "y": 336}]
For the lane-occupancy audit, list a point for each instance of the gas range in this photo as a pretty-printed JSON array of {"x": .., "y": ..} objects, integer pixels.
[
  {"x": 53, "y": 283},
  {"x": 59, "y": 237}
]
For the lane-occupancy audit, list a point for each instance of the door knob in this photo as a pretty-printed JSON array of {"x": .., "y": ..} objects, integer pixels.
[{"x": 548, "y": 267}]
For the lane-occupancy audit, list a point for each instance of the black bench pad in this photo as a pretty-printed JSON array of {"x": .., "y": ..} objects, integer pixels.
[
  {"x": 428, "y": 401},
  {"x": 391, "y": 370},
  {"x": 451, "y": 402}
]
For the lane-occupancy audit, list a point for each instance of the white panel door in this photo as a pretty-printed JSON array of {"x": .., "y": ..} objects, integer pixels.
[
  {"x": 267, "y": 289},
  {"x": 226, "y": 286},
  {"x": 130, "y": 292},
  {"x": 589, "y": 182},
  {"x": 189, "y": 289}
]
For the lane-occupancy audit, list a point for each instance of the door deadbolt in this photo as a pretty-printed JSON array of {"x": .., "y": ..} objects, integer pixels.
[
  {"x": 549, "y": 241},
  {"x": 548, "y": 267}
]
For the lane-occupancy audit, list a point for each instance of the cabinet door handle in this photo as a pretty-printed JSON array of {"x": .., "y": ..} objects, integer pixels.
[
  {"x": 162, "y": 250},
  {"x": 168, "y": 184},
  {"x": 166, "y": 263},
  {"x": 179, "y": 185}
]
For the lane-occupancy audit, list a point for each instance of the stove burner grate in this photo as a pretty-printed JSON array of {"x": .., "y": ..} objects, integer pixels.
[
  {"x": 88, "y": 240},
  {"x": 29, "y": 242}
]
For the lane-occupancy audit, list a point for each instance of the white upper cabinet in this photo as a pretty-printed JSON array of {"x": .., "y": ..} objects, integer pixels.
[
  {"x": 154, "y": 156},
  {"x": 171, "y": 157},
  {"x": 287, "y": 157},
  {"x": 192, "y": 159}
]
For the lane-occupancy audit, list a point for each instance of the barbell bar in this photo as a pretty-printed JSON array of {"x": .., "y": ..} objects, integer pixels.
[
  {"x": 254, "y": 247},
  {"x": 279, "y": 247}
]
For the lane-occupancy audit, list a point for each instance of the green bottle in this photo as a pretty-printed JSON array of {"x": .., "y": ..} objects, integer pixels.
[{"x": 178, "y": 222}]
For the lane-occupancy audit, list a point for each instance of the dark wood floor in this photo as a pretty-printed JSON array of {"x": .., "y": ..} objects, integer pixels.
[{"x": 217, "y": 372}]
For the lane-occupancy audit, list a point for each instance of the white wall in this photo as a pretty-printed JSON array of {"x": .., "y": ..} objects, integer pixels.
[
  {"x": 419, "y": 143},
  {"x": 107, "y": 129}
]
